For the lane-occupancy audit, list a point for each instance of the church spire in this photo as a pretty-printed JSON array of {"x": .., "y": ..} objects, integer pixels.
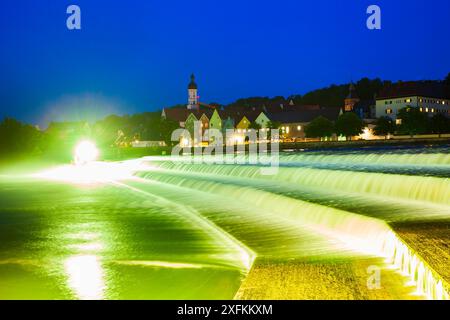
[
  {"x": 352, "y": 91},
  {"x": 192, "y": 84},
  {"x": 352, "y": 98},
  {"x": 192, "y": 94}
]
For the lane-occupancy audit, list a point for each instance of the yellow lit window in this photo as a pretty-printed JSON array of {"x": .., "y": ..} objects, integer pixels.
[
  {"x": 299, "y": 128},
  {"x": 398, "y": 121},
  {"x": 426, "y": 109}
]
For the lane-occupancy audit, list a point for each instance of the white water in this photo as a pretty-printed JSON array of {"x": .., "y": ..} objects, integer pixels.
[{"x": 355, "y": 231}]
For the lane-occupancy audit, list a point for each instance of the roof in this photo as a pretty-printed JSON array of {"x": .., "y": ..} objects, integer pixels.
[
  {"x": 302, "y": 116},
  {"x": 286, "y": 114},
  {"x": 176, "y": 114},
  {"x": 180, "y": 114},
  {"x": 352, "y": 92},
  {"x": 431, "y": 89},
  {"x": 254, "y": 111},
  {"x": 192, "y": 84}
]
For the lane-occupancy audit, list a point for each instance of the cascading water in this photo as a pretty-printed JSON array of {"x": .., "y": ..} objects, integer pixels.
[
  {"x": 427, "y": 282},
  {"x": 416, "y": 188},
  {"x": 435, "y": 159},
  {"x": 355, "y": 231}
]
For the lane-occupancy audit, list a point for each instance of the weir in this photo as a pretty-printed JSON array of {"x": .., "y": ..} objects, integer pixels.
[
  {"x": 417, "y": 188},
  {"x": 339, "y": 231},
  {"x": 355, "y": 231},
  {"x": 423, "y": 159}
]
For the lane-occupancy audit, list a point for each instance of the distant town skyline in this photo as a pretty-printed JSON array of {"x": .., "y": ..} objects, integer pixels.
[{"x": 138, "y": 56}]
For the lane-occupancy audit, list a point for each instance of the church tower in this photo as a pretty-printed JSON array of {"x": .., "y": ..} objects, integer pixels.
[
  {"x": 352, "y": 99},
  {"x": 192, "y": 94}
]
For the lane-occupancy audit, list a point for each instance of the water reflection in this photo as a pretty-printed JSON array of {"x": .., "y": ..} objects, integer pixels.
[
  {"x": 84, "y": 270},
  {"x": 86, "y": 276}
]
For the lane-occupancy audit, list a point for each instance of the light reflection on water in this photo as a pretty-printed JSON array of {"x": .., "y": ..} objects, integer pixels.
[{"x": 85, "y": 276}]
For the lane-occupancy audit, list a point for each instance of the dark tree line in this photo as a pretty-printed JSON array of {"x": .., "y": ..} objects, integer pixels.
[
  {"x": 17, "y": 138},
  {"x": 413, "y": 122},
  {"x": 347, "y": 125},
  {"x": 58, "y": 140},
  {"x": 332, "y": 96}
]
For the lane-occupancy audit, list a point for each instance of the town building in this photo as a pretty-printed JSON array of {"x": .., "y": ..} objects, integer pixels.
[
  {"x": 431, "y": 97},
  {"x": 292, "y": 118},
  {"x": 293, "y": 122}
]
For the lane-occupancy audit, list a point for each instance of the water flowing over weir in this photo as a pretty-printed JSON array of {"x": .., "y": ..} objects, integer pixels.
[
  {"x": 356, "y": 231},
  {"x": 170, "y": 228}
]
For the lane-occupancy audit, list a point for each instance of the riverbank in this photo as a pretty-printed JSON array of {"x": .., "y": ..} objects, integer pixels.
[
  {"x": 344, "y": 279},
  {"x": 431, "y": 241},
  {"x": 347, "y": 279}
]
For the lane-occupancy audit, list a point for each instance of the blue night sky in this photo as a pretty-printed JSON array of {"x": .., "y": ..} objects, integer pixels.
[{"x": 133, "y": 56}]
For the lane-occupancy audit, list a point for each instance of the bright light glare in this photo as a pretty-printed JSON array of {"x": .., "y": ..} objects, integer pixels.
[
  {"x": 94, "y": 172},
  {"x": 85, "y": 152},
  {"x": 85, "y": 277}
]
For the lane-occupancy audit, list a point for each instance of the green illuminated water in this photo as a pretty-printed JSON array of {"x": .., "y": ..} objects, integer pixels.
[{"x": 192, "y": 231}]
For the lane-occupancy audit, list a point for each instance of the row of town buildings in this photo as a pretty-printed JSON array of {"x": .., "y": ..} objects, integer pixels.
[{"x": 430, "y": 97}]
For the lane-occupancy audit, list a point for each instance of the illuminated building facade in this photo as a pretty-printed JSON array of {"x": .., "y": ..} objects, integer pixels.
[{"x": 430, "y": 97}]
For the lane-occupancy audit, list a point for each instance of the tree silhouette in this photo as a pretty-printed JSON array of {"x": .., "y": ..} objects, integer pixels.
[
  {"x": 439, "y": 124},
  {"x": 349, "y": 125},
  {"x": 413, "y": 121},
  {"x": 320, "y": 127},
  {"x": 384, "y": 126}
]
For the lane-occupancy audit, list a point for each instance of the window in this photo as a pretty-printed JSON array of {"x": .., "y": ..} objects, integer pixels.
[
  {"x": 299, "y": 128},
  {"x": 388, "y": 111},
  {"x": 408, "y": 100},
  {"x": 421, "y": 109},
  {"x": 287, "y": 129},
  {"x": 398, "y": 121}
]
